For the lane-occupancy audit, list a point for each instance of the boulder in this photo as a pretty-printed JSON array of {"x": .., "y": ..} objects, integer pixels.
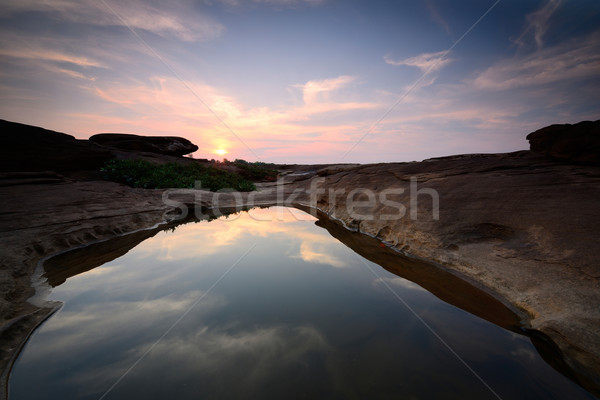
[
  {"x": 29, "y": 148},
  {"x": 579, "y": 143},
  {"x": 168, "y": 145}
]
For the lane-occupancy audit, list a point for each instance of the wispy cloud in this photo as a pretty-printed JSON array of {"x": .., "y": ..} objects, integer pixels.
[
  {"x": 276, "y": 3},
  {"x": 322, "y": 96},
  {"x": 37, "y": 53},
  {"x": 289, "y": 2},
  {"x": 161, "y": 105},
  {"x": 435, "y": 15},
  {"x": 314, "y": 90},
  {"x": 579, "y": 58},
  {"x": 426, "y": 62},
  {"x": 538, "y": 23},
  {"x": 178, "y": 19}
]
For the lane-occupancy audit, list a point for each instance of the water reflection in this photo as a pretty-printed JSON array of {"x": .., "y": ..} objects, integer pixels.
[{"x": 298, "y": 317}]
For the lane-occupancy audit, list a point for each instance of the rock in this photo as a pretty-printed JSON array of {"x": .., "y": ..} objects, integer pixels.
[
  {"x": 334, "y": 169},
  {"x": 578, "y": 143},
  {"x": 30, "y": 178},
  {"x": 46, "y": 218},
  {"x": 521, "y": 226},
  {"x": 29, "y": 148},
  {"x": 168, "y": 145}
]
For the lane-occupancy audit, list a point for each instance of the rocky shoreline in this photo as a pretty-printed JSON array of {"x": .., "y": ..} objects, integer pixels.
[{"x": 521, "y": 226}]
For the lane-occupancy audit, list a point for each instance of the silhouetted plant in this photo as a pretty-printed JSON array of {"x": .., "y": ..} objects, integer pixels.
[
  {"x": 254, "y": 170},
  {"x": 144, "y": 174}
]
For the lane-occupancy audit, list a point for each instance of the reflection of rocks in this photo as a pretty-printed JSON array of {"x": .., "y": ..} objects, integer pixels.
[
  {"x": 446, "y": 286},
  {"x": 455, "y": 289},
  {"x": 579, "y": 142},
  {"x": 169, "y": 145},
  {"x": 520, "y": 226},
  {"x": 38, "y": 220}
]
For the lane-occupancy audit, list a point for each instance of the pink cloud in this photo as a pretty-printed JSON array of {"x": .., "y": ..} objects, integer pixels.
[
  {"x": 40, "y": 54},
  {"x": 165, "y": 106},
  {"x": 426, "y": 62}
]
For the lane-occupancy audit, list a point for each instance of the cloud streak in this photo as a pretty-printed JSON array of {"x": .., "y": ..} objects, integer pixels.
[
  {"x": 426, "y": 62},
  {"x": 566, "y": 61},
  {"x": 41, "y": 54},
  {"x": 177, "y": 20},
  {"x": 538, "y": 22},
  {"x": 435, "y": 16},
  {"x": 312, "y": 91}
]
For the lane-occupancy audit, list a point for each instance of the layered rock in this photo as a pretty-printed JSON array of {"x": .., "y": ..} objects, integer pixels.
[{"x": 168, "y": 145}]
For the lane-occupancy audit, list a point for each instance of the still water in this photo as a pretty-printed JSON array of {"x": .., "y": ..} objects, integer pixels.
[{"x": 268, "y": 305}]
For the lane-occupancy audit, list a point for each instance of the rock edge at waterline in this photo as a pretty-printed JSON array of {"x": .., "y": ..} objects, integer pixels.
[{"x": 522, "y": 225}]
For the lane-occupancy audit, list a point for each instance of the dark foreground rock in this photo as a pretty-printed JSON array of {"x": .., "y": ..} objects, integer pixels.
[{"x": 29, "y": 148}]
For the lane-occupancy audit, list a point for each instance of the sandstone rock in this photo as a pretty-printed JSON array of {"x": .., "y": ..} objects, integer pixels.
[
  {"x": 334, "y": 169},
  {"x": 168, "y": 145},
  {"x": 29, "y": 148},
  {"x": 577, "y": 143},
  {"x": 521, "y": 226},
  {"x": 41, "y": 219}
]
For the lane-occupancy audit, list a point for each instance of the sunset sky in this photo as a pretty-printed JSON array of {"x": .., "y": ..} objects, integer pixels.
[{"x": 304, "y": 81}]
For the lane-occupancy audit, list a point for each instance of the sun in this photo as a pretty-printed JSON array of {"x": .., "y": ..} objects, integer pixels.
[{"x": 221, "y": 152}]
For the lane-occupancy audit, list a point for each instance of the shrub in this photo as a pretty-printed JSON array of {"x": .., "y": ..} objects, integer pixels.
[
  {"x": 254, "y": 170},
  {"x": 144, "y": 174}
]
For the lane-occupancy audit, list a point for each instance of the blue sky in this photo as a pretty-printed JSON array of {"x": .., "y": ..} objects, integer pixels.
[{"x": 304, "y": 81}]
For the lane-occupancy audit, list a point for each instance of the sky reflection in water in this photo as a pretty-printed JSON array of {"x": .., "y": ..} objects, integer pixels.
[{"x": 300, "y": 316}]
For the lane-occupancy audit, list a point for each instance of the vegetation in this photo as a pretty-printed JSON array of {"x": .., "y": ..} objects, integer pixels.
[
  {"x": 144, "y": 174},
  {"x": 254, "y": 170}
]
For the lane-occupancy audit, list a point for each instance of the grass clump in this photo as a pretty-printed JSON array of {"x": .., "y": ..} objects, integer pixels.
[{"x": 144, "y": 174}]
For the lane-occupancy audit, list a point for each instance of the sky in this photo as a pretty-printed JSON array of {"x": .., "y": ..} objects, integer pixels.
[{"x": 304, "y": 81}]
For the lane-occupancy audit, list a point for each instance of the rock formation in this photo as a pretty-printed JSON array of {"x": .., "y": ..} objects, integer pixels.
[
  {"x": 29, "y": 148},
  {"x": 168, "y": 145},
  {"x": 578, "y": 143},
  {"x": 521, "y": 226}
]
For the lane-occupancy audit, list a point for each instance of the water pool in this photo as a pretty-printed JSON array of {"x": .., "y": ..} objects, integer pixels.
[{"x": 266, "y": 304}]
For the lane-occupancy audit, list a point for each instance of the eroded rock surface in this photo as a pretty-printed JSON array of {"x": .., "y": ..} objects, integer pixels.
[
  {"x": 521, "y": 226},
  {"x": 39, "y": 220}
]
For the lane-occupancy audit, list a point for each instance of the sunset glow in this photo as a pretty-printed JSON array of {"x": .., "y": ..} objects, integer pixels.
[{"x": 304, "y": 81}]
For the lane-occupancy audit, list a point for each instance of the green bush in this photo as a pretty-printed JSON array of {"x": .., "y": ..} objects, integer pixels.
[
  {"x": 144, "y": 174},
  {"x": 254, "y": 170}
]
